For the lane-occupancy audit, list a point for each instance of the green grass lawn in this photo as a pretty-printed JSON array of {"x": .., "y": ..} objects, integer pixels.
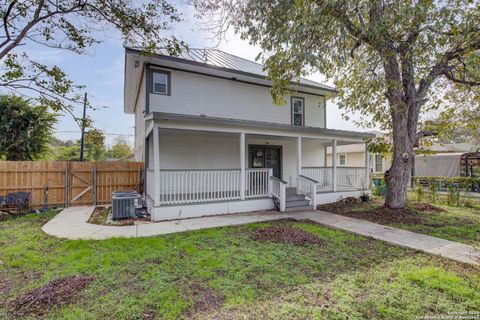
[
  {"x": 224, "y": 273},
  {"x": 456, "y": 223}
]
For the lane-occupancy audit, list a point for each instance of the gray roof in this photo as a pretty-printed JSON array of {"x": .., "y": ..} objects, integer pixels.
[
  {"x": 220, "y": 59},
  {"x": 258, "y": 124}
]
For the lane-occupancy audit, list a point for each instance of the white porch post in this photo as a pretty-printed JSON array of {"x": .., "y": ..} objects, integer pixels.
[
  {"x": 367, "y": 171},
  {"x": 242, "y": 166},
  {"x": 325, "y": 155},
  {"x": 156, "y": 164},
  {"x": 334, "y": 165},
  {"x": 299, "y": 155}
]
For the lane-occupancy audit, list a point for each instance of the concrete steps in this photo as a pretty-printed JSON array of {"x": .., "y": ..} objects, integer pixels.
[{"x": 295, "y": 202}]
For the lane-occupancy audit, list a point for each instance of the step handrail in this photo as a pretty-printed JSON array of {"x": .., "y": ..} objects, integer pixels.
[
  {"x": 308, "y": 187},
  {"x": 279, "y": 191},
  {"x": 308, "y": 178},
  {"x": 278, "y": 179}
]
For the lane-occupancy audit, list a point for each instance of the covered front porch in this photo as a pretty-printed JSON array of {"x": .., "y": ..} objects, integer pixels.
[{"x": 197, "y": 168}]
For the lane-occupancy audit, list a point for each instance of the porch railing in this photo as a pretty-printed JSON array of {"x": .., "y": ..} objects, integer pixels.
[
  {"x": 350, "y": 178},
  {"x": 197, "y": 185},
  {"x": 193, "y": 186},
  {"x": 324, "y": 176},
  {"x": 279, "y": 192},
  {"x": 257, "y": 183},
  {"x": 307, "y": 187}
]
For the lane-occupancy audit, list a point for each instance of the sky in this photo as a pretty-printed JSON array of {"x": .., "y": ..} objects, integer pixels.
[{"x": 102, "y": 71}]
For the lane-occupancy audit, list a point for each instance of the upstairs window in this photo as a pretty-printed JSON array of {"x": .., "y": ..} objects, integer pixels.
[
  {"x": 161, "y": 82},
  {"x": 298, "y": 111},
  {"x": 342, "y": 159}
]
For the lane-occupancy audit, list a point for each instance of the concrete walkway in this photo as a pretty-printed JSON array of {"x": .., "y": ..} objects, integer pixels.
[{"x": 72, "y": 223}]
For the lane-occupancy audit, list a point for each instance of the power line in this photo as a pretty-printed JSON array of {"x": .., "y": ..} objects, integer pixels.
[{"x": 105, "y": 133}]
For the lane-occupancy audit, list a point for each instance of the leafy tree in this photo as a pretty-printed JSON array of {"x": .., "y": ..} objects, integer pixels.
[
  {"x": 68, "y": 150},
  {"x": 94, "y": 145},
  {"x": 25, "y": 129},
  {"x": 73, "y": 25},
  {"x": 460, "y": 121},
  {"x": 390, "y": 60},
  {"x": 55, "y": 142},
  {"x": 120, "y": 150},
  {"x": 64, "y": 153}
]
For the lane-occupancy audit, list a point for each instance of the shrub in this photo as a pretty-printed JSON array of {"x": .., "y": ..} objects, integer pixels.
[
  {"x": 453, "y": 198},
  {"x": 419, "y": 192},
  {"x": 432, "y": 186}
]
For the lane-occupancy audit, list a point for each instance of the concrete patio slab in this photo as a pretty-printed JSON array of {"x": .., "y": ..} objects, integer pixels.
[{"x": 72, "y": 223}]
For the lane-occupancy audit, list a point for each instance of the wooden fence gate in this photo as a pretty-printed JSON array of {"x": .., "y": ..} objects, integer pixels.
[{"x": 64, "y": 183}]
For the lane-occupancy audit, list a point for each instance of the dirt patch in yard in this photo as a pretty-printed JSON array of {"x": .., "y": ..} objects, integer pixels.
[
  {"x": 6, "y": 285},
  {"x": 285, "y": 234},
  {"x": 206, "y": 298},
  {"x": 55, "y": 293},
  {"x": 385, "y": 215},
  {"x": 100, "y": 216},
  {"x": 422, "y": 206}
]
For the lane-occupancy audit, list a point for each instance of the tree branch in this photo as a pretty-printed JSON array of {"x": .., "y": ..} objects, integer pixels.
[
  {"x": 5, "y": 22},
  {"x": 37, "y": 18},
  {"x": 441, "y": 67},
  {"x": 423, "y": 134},
  {"x": 450, "y": 76}
]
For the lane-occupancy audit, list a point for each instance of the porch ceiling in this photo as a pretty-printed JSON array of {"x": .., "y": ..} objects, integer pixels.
[{"x": 238, "y": 125}]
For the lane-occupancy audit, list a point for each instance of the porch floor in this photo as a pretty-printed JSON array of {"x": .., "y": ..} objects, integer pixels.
[{"x": 72, "y": 223}]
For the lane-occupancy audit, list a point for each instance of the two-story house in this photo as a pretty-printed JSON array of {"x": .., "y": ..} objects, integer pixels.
[{"x": 213, "y": 141}]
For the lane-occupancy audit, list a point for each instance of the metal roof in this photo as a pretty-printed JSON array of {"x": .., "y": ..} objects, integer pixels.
[{"x": 220, "y": 59}]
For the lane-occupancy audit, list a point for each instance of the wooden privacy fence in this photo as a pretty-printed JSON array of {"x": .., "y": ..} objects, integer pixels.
[{"x": 65, "y": 183}]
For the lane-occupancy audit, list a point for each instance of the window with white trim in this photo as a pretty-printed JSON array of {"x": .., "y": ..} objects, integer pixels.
[
  {"x": 161, "y": 82},
  {"x": 342, "y": 159},
  {"x": 298, "y": 111}
]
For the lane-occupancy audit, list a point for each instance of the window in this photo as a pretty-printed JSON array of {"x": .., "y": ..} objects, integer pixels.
[
  {"x": 161, "y": 82},
  {"x": 342, "y": 159},
  {"x": 298, "y": 111},
  {"x": 378, "y": 163}
]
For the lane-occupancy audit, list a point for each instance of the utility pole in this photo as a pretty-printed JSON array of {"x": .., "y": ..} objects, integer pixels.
[{"x": 82, "y": 141}]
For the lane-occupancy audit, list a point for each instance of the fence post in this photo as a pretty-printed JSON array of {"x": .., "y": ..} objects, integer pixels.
[
  {"x": 66, "y": 185},
  {"x": 94, "y": 185}
]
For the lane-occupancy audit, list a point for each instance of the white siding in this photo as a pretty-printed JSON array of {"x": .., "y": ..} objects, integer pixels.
[
  {"x": 215, "y": 97},
  {"x": 139, "y": 150},
  {"x": 187, "y": 150},
  {"x": 195, "y": 150}
]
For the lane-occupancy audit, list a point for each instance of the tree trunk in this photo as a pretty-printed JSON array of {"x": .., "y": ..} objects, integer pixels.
[{"x": 398, "y": 176}]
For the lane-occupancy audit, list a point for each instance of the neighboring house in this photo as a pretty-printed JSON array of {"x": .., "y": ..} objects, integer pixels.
[
  {"x": 353, "y": 155},
  {"x": 213, "y": 142},
  {"x": 442, "y": 159}
]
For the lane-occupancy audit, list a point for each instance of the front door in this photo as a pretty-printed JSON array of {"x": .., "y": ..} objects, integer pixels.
[{"x": 267, "y": 157}]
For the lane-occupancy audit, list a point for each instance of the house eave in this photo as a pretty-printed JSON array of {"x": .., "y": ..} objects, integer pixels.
[{"x": 163, "y": 116}]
